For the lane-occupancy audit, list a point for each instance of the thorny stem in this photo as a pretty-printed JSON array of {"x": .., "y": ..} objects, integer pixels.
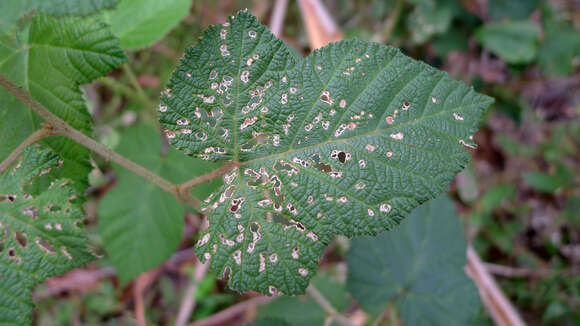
[
  {"x": 60, "y": 127},
  {"x": 328, "y": 308},
  {"x": 36, "y": 136}
]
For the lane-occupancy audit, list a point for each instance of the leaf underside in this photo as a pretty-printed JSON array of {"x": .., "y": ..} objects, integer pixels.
[
  {"x": 40, "y": 236},
  {"x": 418, "y": 267},
  {"x": 346, "y": 141}
]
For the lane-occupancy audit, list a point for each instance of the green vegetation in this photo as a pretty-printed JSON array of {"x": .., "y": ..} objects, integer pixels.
[{"x": 317, "y": 175}]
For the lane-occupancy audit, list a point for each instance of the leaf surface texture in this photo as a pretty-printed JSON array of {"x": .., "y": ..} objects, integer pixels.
[{"x": 346, "y": 141}]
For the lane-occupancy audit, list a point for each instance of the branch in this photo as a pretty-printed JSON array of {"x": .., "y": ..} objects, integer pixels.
[
  {"x": 324, "y": 304},
  {"x": 508, "y": 271},
  {"x": 499, "y": 307},
  {"x": 134, "y": 82},
  {"x": 143, "y": 282},
  {"x": 188, "y": 303},
  {"x": 392, "y": 21},
  {"x": 231, "y": 312},
  {"x": 184, "y": 187},
  {"x": 123, "y": 89},
  {"x": 60, "y": 127},
  {"x": 277, "y": 18},
  {"x": 36, "y": 136}
]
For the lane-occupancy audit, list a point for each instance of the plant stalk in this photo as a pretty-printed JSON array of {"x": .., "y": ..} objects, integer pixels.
[
  {"x": 60, "y": 127},
  {"x": 123, "y": 89},
  {"x": 134, "y": 82},
  {"x": 35, "y": 137},
  {"x": 328, "y": 308}
]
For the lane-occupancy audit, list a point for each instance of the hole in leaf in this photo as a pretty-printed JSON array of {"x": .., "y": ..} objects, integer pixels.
[
  {"x": 319, "y": 165},
  {"x": 45, "y": 246},
  {"x": 21, "y": 238},
  {"x": 30, "y": 211}
]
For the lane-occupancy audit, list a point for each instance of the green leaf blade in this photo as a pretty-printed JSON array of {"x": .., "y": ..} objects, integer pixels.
[
  {"x": 516, "y": 42},
  {"x": 419, "y": 266},
  {"x": 11, "y": 10},
  {"x": 141, "y": 225},
  {"x": 346, "y": 141},
  {"x": 140, "y": 23},
  {"x": 40, "y": 235},
  {"x": 71, "y": 51}
]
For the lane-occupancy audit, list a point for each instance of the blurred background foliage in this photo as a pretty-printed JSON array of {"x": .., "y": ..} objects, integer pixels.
[{"x": 519, "y": 199}]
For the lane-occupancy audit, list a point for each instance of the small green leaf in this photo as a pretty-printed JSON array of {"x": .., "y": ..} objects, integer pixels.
[
  {"x": 544, "y": 182},
  {"x": 346, "y": 141},
  {"x": 418, "y": 265},
  {"x": 40, "y": 236},
  {"x": 305, "y": 311},
  {"x": 51, "y": 61},
  {"x": 515, "y": 42},
  {"x": 142, "y": 225},
  {"x": 429, "y": 18},
  {"x": 11, "y": 10},
  {"x": 140, "y": 23},
  {"x": 561, "y": 45},
  {"x": 514, "y": 9}
]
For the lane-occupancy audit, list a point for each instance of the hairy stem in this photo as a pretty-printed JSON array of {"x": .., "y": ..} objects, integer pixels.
[
  {"x": 328, "y": 308},
  {"x": 123, "y": 89},
  {"x": 134, "y": 82},
  {"x": 36, "y": 136},
  {"x": 60, "y": 127},
  {"x": 184, "y": 187}
]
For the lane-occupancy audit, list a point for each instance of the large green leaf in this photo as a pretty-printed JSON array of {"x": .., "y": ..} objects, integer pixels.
[
  {"x": 347, "y": 141},
  {"x": 51, "y": 61},
  {"x": 418, "y": 265},
  {"x": 142, "y": 225},
  {"x": 140, "y": 23},
  {"x": 40, "y": 236},
  {"x": 11, "y": 10},
  {"x": 515, "y": 42}
]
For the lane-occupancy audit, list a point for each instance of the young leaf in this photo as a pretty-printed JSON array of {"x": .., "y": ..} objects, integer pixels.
[
  {"x": 561, "y": 45},
  {"x": 142, "y": 225},
  {"x": 515, "y": 42},
  {"x": 140, "y": 23},
  {"x": 11, "y": 10},
  {"x": 346, "y": 141},
  {"x": 51, "y": 62},
  {"x": 430, "y": 18},
  {"x": 515, "y": 9},
  {"x": 419, "y": 265},
  {"x": 40, "y": 236}
]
